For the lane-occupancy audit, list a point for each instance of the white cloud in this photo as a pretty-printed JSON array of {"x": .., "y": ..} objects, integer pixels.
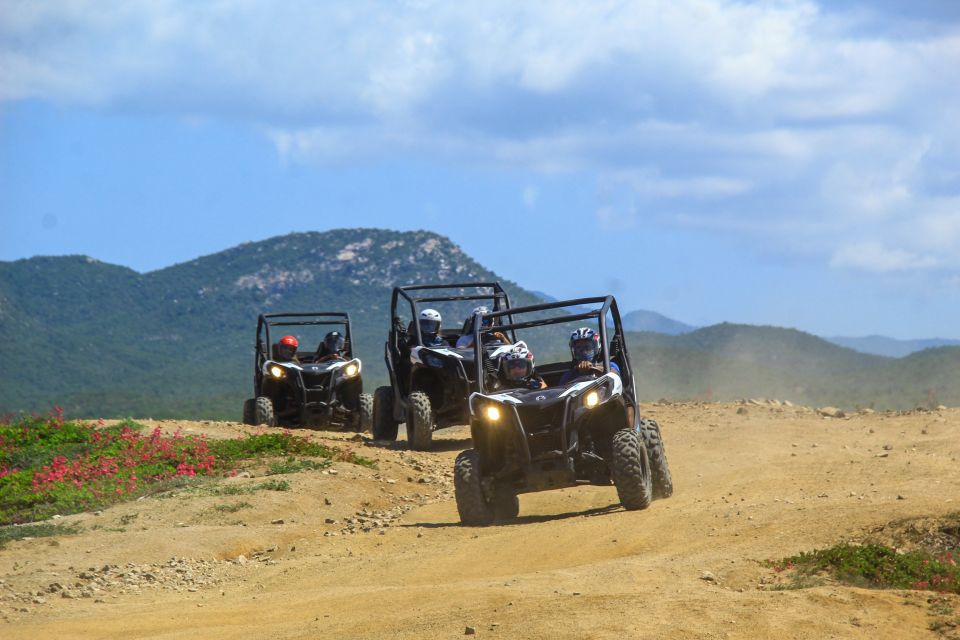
[
  {"x": 874, "y": 256},
  {"x": 649, "y": 182},
  {"x": 742, "y": 118}
]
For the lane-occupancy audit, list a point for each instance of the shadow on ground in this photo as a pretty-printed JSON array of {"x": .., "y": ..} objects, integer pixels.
[
  {"x": 443, "y": 445},
  {"x": 529, "y": 519}
]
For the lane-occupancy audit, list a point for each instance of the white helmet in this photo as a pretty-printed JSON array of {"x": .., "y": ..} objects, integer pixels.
[
  {"x": 584, "y": 345},
  {"x": 482, "y": 310},
  {"x": 518, "y": 362},
  {"x": 430, "y": 321}
]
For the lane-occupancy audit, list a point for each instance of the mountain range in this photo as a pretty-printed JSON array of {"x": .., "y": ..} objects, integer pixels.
[
  {"x": 644, "y": 320},
  {"x": 891, "y": 347},
  {"x": 104, "y": 340}
]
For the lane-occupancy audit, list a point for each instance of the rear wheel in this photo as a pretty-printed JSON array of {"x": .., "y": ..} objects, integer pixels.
[
  {"x": 263, "y": 412},
  {"x": 630, "y": 468},
  {"x": 659, "y": 470},
  {"x": 384, "y": 426},
  {"x": 471, "y": 505},
  {"x": 419, "y": 421},
  {"x": 249, "y": 416},
  {"x": 364, "y": 412},
  {"x": 506, "y": 504}
]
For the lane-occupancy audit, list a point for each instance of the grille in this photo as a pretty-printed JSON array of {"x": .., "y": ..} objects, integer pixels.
[
  {"x": 315, "y": 380},
  {"x": 542, "y": 426}
]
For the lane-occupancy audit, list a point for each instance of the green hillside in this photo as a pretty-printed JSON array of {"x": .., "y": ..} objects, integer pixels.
[
  {"x": 726, "y": 362},
  {"x": 103, "y": 340}
]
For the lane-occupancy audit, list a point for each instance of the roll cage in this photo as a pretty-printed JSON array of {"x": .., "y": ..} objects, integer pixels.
[
  {"x": 265, "y": 321},
  {"x": 608, "y": 304},
  {"x": 448, "y": 385},
  {"x": 499, "y": 299}
]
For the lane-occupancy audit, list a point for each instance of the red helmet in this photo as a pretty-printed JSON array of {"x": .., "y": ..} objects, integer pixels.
[{"x": 289, "y": 341}]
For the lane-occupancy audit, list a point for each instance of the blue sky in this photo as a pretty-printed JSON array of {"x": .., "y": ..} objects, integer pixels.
[{"x": 788, "y": 163}]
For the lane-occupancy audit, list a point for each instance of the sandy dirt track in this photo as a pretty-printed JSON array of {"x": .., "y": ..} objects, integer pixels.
[{"x": 364, "y": 553}]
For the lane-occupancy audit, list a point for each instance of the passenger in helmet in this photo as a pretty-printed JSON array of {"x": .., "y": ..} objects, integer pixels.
[
  {"x": 585, "y": 351},
  {"x": 286, "y": 350},
  {"x": 430, "y": 328},
  {"x": 332, "y": 347},
  {"x": 517, "y": 369},
  {"x": 465, "y": 341}
]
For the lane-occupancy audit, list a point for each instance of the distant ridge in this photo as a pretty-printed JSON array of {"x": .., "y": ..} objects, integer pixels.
[
  {"x": 639, "y": 320},
  {"x": 642, "y": 320},
  {"x": 891, "y": 347}
]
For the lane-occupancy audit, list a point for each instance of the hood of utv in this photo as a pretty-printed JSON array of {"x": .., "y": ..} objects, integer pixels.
[
  {"x": 313, "y": 375},
  {"x": 528, "y": 397},
  {"x": 536, "y": 409},
  {"x": 317, "y": 369}
]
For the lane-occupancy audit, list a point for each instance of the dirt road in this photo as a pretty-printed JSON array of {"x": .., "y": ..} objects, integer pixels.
[{"x": 364, "y": 553}]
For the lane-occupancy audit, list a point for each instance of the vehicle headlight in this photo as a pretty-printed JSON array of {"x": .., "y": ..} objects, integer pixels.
[
  {"x": 592, "y": 399},
  {"x": 433, "y": 361},
  {"x": 276, "y": 372},
  {"x": 492, "y": 412},
  {"x": 351, "y": 370}
]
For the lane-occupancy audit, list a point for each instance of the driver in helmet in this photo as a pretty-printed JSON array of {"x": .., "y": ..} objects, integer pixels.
[
  {"x": 517, "y": 369},
  {"x": 332, "y": 347},
  {"x": 286, "y": 350},
  {"x": 465, "y": 341},
  {"x": 585, "y": 351},
  {"x": 430, "y": 328}
]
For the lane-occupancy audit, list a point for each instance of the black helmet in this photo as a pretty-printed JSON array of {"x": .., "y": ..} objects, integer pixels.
[{"x": 333, "y": 342}]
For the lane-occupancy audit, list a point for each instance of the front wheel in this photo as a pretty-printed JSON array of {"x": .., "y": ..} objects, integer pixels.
[
  {"x": 506, "y": 504},
  {"x": 660, "y": 471},
  {"x": 249, "y": 411},
  {"x": 630, "y": 468},
  {"x": 384, "y": 426},
  {"x": 471, "y": 505},
  {"x": 263, "y": 412},
  {"x": 364, "y": 413},
  {"x": 419, "y": 421}
]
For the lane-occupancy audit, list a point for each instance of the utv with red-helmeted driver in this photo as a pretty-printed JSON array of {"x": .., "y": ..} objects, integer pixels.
[{"x": 294, "y": 386}]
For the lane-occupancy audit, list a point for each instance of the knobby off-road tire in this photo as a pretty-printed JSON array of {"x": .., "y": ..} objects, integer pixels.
[
  {"x": 630, "y": 469},
  {"x": 364, "y": 418},
  {"x": 263, "y": 412},
  {"x": 249, "y": 411},
  {"x": 474, "y": 510},
  {"x": 506, "y": 504},
  {"x": 659, "y": 470},
  {"x": 384, "y": 426},
  {"x": 419, "y": 421}
]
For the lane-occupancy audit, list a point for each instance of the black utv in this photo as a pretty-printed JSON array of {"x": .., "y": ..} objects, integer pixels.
[
  {"x": 581, "y": 427},
  {"x": 319, "y": 386},
  {"x": 430, "y": 383}
]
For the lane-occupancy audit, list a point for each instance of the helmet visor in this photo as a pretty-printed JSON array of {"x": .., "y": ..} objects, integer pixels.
[
  {"x": 585, "y": 350},
  {"x": 429, "y": 327},
  {"x": 517, "y": 369},
  {"x": 286, "y": 351}
]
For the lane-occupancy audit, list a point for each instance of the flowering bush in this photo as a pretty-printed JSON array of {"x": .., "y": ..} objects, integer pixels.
[
  {"x": 878, "y": 566},
  {"x": 49, "y": 465}
]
